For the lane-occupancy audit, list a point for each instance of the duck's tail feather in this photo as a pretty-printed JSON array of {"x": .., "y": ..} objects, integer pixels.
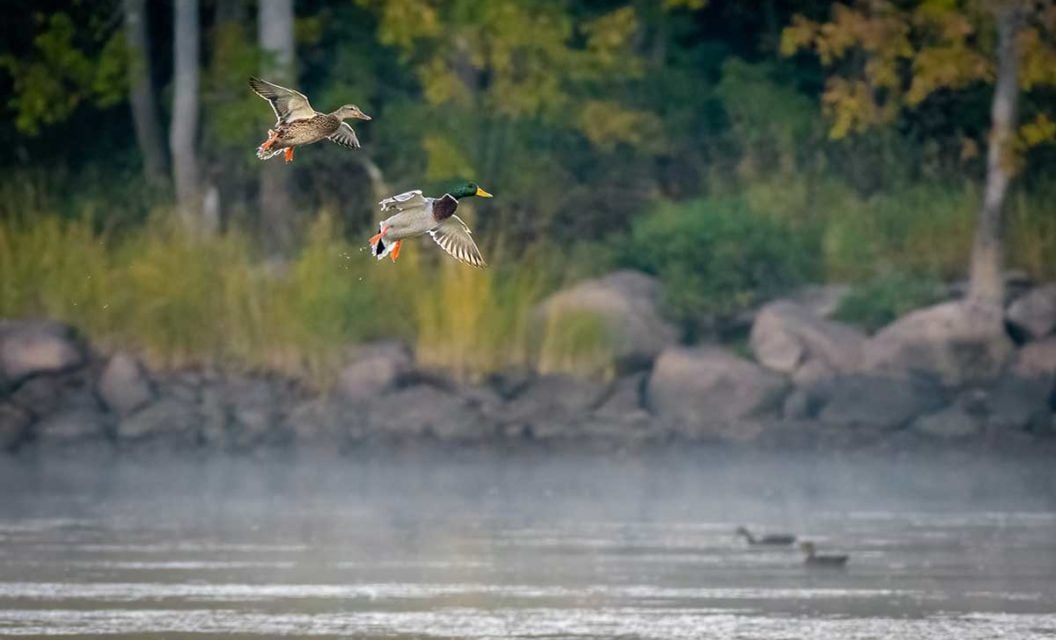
[
  {"x": 380, "y": 249},
  {"x": 264, "y": 154}
]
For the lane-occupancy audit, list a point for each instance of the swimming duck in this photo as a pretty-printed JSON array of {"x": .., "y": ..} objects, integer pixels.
[
  {"x": 417, "y": 215},
  {"x": 773, "y": 540},
  {"x": 813, "y": 559},
  {"x": 297, "y": 123}
]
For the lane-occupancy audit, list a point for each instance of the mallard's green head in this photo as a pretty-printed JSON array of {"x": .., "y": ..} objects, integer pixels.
[{"x": 468, "y": 190}]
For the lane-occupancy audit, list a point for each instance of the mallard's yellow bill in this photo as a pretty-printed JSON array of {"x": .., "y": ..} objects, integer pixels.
[{"x": 482, "y": 193}]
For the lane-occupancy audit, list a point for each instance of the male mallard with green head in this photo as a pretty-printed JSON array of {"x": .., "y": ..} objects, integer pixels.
[
  {"x": 298, "y": 124},
  {"x": 417, "y": 215}
]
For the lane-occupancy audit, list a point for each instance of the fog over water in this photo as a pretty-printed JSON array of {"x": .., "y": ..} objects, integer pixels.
[{"x": 464, "y": 544}]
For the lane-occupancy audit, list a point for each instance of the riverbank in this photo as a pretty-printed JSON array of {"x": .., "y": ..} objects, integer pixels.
[{"x": 934, "y": 376}]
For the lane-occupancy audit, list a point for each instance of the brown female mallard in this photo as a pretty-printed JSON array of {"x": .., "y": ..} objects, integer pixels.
[
  {"x": 825, "y": 561},
  {"x": 769, "y": 540},
  {"x": 297, "y": 123}
]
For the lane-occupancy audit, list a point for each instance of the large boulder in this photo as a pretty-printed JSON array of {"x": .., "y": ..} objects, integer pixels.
[
  {"x": 787, "y": 336},
  {"x": 875, "y": 401},
  {"x": 551, "y": 404},
  {"x": 707, "y": 390},
  {"x": 956, "y": 342},
  {"x": 14, "y": 425},
  {"x": 625, "y": 399},
  {"x": 326, "y": 422},
  {"x": 625, "y": 302},
  {"x": 73, "y": 426},
  {"x": 1018, "y": 404},
  {"x": 124, "y": 385},
  {"x": 372, "y": 370},
  {"x": 254, "y": 408},
  {"x": 1037, "y": 360},
  {"x": 949, "y": 423},
  {"x": 36, "y": 347},
  {"x": 424, "y": 410},
  {"x": 167, "y": 420},
  {"x": 1034, "y": 313}
]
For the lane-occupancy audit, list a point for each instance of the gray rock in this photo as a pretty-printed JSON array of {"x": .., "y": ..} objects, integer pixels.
[
  {"x": 373, "y": 369},
  {"x": 708, "y": 391},
  {"x": 255, "y": 413},
  {"x": 786, "y": 336},
  {"x": 957, "y": 342},
  {"x": 625, "y": 302},
  {"x": 43, "y": 395},
  {"x": 626, "y": 399},
  {"x": 1018, "y": 404},
  {"x": 1034, "y": 313},
  {"x": 424, "y": 410},
  {"x": 1037, "y": 360},
  {"x": 167, "y": 419},
  {"x": 14, "y": 425},
  {"x": 952, "y": 422},
  {"x": 36, "y": 347},
  {"x": 123, "y": 385},
  {"x": 802, "y": 404},
  {"x": 553, "y": 400},
  {"x": 73, "y": 426},
  {"x": 876, "y": 402},
  {"x": 327, "y": 422}
]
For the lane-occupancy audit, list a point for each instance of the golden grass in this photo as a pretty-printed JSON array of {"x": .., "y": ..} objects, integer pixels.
[{"x": 183, "y": 301}]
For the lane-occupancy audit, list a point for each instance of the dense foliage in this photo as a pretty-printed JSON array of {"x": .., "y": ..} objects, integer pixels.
[{"x": 733, "y": 149}]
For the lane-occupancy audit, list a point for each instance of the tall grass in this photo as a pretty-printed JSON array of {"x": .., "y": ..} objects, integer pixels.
[{"x": 184, "y": 301}]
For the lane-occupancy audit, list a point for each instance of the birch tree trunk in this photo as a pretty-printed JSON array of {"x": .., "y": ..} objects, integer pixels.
[
  {"x": 183, "y": 132},
  {"x": 987, "y": 283},
  {"x": 278, "y": 219},
  {"x": 142, "y": 97}
]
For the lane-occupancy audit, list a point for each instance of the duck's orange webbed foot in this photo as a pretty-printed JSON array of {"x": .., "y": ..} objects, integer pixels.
[
  {"x": 272, "y": 139},
  {"x": 396, "y": 250},
  {"x": 377, "y": 236},
  {"x": 289, "y": 155}
]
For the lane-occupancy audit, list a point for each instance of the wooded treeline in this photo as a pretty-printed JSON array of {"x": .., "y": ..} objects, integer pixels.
[{"x": 582, "y": 116}]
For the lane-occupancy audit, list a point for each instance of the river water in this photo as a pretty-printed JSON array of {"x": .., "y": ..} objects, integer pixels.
[{"x": 540, "y": 545}]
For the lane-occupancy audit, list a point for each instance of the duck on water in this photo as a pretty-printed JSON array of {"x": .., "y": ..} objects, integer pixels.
[
  {"x": 814, "y": 559},
  {"x": 770, "y": 540}
]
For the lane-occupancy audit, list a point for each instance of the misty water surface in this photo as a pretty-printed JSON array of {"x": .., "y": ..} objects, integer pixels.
[{"x": 486, "y": 545}]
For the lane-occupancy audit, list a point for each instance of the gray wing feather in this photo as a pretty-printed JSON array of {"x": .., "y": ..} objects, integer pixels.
[
  {"x": 455, "y": 238},
  {"x": 345, "y": 137},
  {"x": 403, "y": 201},
  {"x": 288, "y": 105}
]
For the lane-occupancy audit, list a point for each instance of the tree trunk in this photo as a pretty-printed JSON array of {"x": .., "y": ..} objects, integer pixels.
[
  {"x": 278, "y": 220},
  {"x": 183, "y": 132},
  {"x": 143, "y": 100},
  {"x": 987, "y": 284}
]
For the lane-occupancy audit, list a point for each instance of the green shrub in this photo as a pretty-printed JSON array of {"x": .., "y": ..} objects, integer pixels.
[
  {"x": 881, "y": 300},
  {"x": 717, "y": 256}
]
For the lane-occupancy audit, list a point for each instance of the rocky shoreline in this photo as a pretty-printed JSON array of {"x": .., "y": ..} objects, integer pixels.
[{"x": 936, "y": 376}]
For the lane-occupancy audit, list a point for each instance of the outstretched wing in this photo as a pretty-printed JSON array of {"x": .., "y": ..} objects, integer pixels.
[
  {"x": 454, "y": 237},
  {"x": 403, "y": 201},
  {"x": 288, "y": 105},
  {"x": 345, "y": 137}
]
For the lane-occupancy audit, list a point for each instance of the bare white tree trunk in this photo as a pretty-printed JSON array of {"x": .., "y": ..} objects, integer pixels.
[
  {"x": 988, "y": 254},
  {"x": 278, "y": 218},
  {"x": 183, "y": 132},
  {"x": 142, "y": 98}
]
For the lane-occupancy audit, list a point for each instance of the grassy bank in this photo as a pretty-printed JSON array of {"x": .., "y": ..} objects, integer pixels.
[{"x": 183, "y": 301}]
